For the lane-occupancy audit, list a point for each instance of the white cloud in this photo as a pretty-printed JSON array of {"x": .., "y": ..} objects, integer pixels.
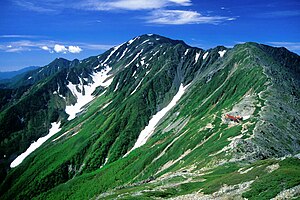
[
  {"x": 17, "y": 49},
  {"x": 179, "y": 17},
  {"x": 34, "y": 6},
  {"x": 51, "y": 46},
  {"x": 130, "y": 4},
  {"x": 50, "y": 6},
  {"x": 182, "y": 2},
  {"x": 158, "y": 10},
  {"x": 74, "y": 49},
  {"x": 293, "y": 46},
  {"x": 63, "y": 49},
  {"x": 45, "y": 48},
  {"x": 60, "y": 48},
  {"x": 96, "y": 46},
  {"x": 19, "y": 36},
  {"x": 135, "y": 5}
]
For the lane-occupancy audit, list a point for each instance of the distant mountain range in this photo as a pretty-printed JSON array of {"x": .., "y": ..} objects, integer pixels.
[
  {"x": 154, "y": 118},
  {"x": 11, "y": 74}
]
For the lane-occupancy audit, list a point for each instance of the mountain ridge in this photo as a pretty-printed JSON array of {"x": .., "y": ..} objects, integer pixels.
[
  {"x": 193, "y": 136},
  {"x": 11, "y": 74}
]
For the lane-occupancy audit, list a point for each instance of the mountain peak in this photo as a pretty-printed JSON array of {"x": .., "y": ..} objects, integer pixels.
[{"x": 157, "y": 39}]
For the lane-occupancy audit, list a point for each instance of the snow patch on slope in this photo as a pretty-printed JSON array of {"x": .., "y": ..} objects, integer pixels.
[
  {"x": 137, "y": 87},
  {"x": 245, "y": 171},
  {"x": 106, "y": 159},
  {"x": 124, "y": 52},
  {"x": 85, "y": 95},
  {"x": 137, "y": 55},
  {"x": 134, "y": 73},
  {"x": 205, "y": 55},
  {"x": 61, "y": 96},
  {"x": 149, "y": 129},
  {"x": 57, "y": 92},
  {"x": 65, "y": 133},
  {"x": 145, "y": 41},
  {"x": 52, "y": 131},
  {"x": 117, "y": 87},
  {"x": 147, "y": 72},
  {"x": 221, "y": 53},
  {"x": 112, "y": 52},
  {"x": 186, "y": 52},
  {"x": 107, "y": 104},
  {"x": 131, "y": 41},
  {"x": 197, "y": 57},
  {"x": 155, "y": 53}
]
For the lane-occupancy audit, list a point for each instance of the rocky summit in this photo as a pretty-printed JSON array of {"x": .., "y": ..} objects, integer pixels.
[{"x": 154, "y": 118}]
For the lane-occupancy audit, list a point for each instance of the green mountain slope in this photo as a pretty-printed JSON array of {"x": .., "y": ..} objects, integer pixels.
[{"x": 194, "y": 151}]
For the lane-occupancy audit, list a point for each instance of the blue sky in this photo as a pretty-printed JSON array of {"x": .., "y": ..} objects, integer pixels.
[{"x": 34, "y": 32}]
